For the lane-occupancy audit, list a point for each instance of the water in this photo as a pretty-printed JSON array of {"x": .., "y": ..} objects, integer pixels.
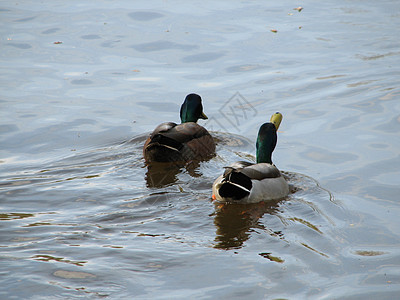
[{"x": 81, "y": 86}]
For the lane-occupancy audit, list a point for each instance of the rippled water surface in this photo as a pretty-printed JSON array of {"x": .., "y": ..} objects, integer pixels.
[{"x": 83, "y": 83}]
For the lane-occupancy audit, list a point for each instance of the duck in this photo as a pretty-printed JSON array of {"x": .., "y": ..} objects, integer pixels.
[
  {"x": 246, "y": 182},
  {"x": 188, "y": 141}
]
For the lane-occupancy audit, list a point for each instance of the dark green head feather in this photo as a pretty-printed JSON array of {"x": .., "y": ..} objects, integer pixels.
[
  {"x": 267, "y": 138},
  {"x": 192, "y": 109},
  {"x": 266, "y": 142}
]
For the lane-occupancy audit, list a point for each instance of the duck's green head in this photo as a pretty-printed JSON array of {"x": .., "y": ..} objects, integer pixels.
[
  {"x": 267, "y": 138},
  {"x": 192, "y": 109}
]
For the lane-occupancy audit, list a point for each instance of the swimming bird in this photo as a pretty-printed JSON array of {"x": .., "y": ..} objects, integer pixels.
[
  {"x": 246, "y": 182},
  {"x": 171, "y": 142}
]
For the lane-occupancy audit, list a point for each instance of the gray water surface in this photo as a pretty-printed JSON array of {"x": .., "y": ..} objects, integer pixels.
[{"x": 83, "y": 83}]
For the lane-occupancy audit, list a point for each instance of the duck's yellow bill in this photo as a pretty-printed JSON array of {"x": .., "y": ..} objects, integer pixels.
[
  {"x": 203, "y": 116},
  {"x": 276, "y": 119}
]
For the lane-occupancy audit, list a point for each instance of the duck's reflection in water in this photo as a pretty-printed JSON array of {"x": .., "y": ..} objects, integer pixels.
[
  {"x": 160, "y": 175},
  {"x": 234, "y": 222}
]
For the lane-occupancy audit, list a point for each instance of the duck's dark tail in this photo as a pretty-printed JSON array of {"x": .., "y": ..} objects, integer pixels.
[
  {"x": 163, "y": 149},
  {"x": 235, "y": 185}
]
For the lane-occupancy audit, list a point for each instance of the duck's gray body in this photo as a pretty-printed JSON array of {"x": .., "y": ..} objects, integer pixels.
[{"x": 245, "y": 182}]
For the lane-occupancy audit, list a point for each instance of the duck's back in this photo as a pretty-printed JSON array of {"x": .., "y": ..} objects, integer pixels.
[
  {"x": 172, "y": 142},
  {"x": 271, "y": 187},
  {"x": 244, "y": 182}
]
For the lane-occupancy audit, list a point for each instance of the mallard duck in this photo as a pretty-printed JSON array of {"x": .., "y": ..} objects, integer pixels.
[
  {"x": 245, "y": 182},
  {"x": 171, "y": 142}
]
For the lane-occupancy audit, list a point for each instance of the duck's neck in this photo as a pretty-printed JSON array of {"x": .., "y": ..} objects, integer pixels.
[
  {"x": 263, "y": 156},
  {"x": 188, "y": 120},
  {"x": 188, "y": 116},
  {"x": 189, "y": 112},
  {"x": 266, "y": 142}
]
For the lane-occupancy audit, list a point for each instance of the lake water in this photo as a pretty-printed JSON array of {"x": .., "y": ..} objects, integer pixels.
[{"x": 82, "y": 83}]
